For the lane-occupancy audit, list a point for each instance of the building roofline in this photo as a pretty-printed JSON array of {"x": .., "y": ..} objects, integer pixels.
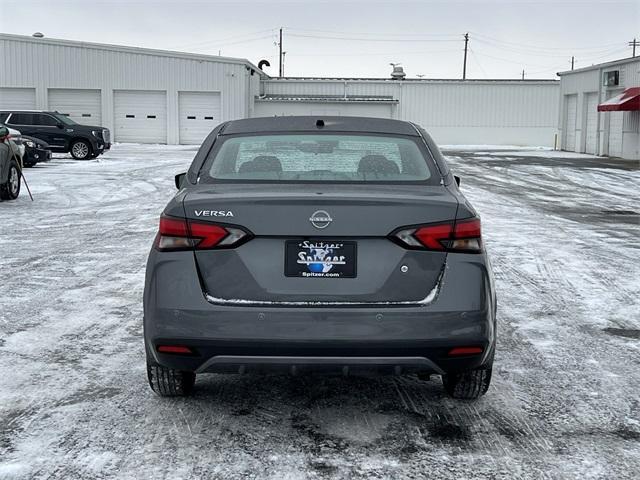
[
  {"x": 600, "y": 65},
  {"x": 411, "y": 80},
  {"x": 130, "y": 49}
]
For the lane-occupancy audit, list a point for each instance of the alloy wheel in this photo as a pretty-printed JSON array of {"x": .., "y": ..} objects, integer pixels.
[
  {"x": 14, "y": 180},
  {"x": 80, "y": 150}
]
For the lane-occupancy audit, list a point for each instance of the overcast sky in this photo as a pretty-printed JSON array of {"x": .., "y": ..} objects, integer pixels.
[{"x": 353, "y": 38}]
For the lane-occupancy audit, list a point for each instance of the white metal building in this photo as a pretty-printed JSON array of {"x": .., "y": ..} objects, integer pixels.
[
  {"x": 156, "y": 96},
  {"x": 512, "y": 112},
  {"x": 600, "y": 109},
  {"x": 141, "y": 95}
]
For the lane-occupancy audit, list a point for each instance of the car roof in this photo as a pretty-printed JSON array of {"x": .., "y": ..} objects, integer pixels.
[
  {"x": 9, "y": 110},
  {"x": 310, "y": 124}
]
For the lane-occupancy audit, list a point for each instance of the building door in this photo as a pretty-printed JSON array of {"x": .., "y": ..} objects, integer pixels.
[
  {"x": 140, "y": 116},
  {"x": 17, "y": 98},
  {"x": 570, "y": 117},
  {"x": 82, "y": 106},
  {"x": 615, "y": 133},
  {"x": 199, "y": 113},
  {"x": 591, "y": 108}
]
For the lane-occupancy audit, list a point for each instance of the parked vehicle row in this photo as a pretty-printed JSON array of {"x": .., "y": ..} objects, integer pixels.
[
  {"x": 28, "y": 137},
  {"x": 62, "y": 134},
  {"x": 10, "y": 157}
]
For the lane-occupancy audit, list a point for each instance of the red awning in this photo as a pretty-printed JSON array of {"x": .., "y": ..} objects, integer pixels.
[{"x": 626, "y": 101}]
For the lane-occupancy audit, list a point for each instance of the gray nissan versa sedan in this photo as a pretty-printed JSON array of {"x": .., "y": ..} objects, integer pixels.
[{"x": 319, "y": 243}]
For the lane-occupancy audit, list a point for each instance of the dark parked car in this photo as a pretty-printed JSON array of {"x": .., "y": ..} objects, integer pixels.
[
  {"x": 9, "y": 167},
  {"x": 60, "y": 132},
  {"x": 35, "y": 151},
  {"x": 337, "y": 243}
]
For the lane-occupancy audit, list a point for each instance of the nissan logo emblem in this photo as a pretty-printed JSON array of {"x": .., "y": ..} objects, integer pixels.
[{"x": 320, "y": 219}]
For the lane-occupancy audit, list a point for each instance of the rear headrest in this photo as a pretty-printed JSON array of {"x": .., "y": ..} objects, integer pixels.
[
  {"x": 246, "y": 167},
  {"x": 262, "y": 163},
  {"x": 377, "y": 164},
  {"x": 266, "y": 163}
]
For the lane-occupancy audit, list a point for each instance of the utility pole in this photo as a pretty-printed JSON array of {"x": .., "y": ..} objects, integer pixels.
[
  {"x": 283, "y": 54},
  {"x": 523, "y": 74},
  {"x": 572, "y": 61},
  {"x": 280, "y": 54},
  {"x": 464, "y": 65},
  {"x": 634, "y": 44}
]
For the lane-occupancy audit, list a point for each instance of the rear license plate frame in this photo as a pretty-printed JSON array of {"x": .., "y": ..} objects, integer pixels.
[{"x": 334, "y": 248}]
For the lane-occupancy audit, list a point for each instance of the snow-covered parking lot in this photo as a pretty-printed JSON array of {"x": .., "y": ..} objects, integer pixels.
[{"x": 564, "y": 237}]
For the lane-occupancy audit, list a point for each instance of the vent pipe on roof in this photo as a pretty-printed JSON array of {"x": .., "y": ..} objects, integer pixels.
[
  {"x": 398, "y": 72},
  {"x": 38, "y": 35}
]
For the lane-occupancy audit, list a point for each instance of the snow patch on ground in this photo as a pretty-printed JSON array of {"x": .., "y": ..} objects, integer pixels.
[{"x": 74, "y": 403}]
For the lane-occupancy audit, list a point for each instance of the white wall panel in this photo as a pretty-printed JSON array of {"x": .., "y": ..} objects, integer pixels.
[
  {"x": 454, "y": 112},
  {"x": 272, "y": 108}
]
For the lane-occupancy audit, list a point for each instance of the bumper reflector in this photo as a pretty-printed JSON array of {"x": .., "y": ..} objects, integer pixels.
[
  {"x": 460, "y": 351},
  {"x": 179, "y": 349}
]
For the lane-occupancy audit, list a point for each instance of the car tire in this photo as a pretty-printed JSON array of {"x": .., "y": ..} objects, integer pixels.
[
  {"x": 167, "y": 382},
  {"x": 10, "y": 188},
  {"x": 469, "y": 385},
  {"x": 81, "y": 150}
]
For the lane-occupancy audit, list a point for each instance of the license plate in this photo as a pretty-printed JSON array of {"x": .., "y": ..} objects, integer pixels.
[{"x": 320, "y": 259}]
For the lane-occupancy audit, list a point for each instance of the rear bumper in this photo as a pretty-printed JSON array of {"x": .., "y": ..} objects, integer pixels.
[
  {"x": 332, "y": 357},
  {"x": 244, "y": 338}
]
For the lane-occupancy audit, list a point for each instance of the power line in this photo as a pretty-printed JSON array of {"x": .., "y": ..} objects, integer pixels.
[
  {"x": 475, "y": 59},
  {"x": 219, "y": 41},
  {"x": 377, "y": 34},
  {"x": 536, "y": 53},
  {"x": 533, "y": 47},
  {"x": 371, "y": 54},
  {"x": 360, "y": 39}
]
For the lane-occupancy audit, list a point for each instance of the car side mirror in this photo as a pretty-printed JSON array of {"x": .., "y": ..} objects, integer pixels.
[
  {"x": 457, "y": 179},
  {"x": 179, "y": 179},
  {"x": 4, "y": 132},
  {"x": 60, "y": 126}
]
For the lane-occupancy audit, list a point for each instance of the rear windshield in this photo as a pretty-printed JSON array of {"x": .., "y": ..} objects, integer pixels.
[{"x": 318, "y": 158}]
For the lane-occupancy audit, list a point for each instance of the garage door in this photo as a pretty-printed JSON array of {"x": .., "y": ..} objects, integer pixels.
[
  {"x": 199, "y": 114},
  {"x": 17, "y": 98},
  {"x": 140, "y": 116},
  {"x": 615, "y": 133},
  {"x": 82, "y": 106},
  {"x": 570, "y": 116},
  {"x": 591, "y": 105}
]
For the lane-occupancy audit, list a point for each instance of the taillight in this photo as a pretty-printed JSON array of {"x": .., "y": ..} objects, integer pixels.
[
  {"x": 463, "y": 351},
  {"x": 182, "y": 234},
  {"x": 175, "y": 349},
  {"x": 459, "y": 236}
]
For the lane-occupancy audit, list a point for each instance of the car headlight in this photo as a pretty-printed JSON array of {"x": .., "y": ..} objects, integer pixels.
[
  {"x": 29, "y": 143},
  {"x": 94, "y": 133}
]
